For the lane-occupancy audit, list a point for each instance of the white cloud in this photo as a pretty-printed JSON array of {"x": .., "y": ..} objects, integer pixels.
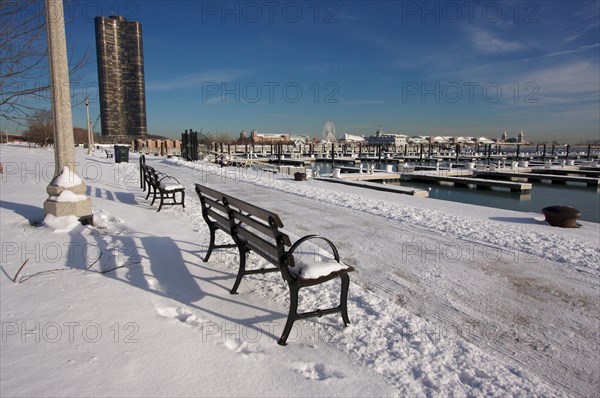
[
  {"x": 485, "y": 41},
  {"x": 576, "y": 50},
  {"x": 576, "y": 78}
]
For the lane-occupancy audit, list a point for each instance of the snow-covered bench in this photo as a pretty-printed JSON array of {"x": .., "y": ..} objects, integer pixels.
[
  {"x": 162, "y": 186},
  {"x": 260, "y": 231},
  {"x": 108, "y": 154}
]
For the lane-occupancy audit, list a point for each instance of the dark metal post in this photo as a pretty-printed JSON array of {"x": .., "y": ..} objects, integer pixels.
[
  {"x": 279, "y": 150},
  {"x": 544, "y": 153},
  {"x": 332, "y": 153},
  {"x": 142, "y": 180}
]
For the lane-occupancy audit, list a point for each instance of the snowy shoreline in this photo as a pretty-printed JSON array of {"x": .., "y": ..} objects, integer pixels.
[{"x": 448, "y": 299}]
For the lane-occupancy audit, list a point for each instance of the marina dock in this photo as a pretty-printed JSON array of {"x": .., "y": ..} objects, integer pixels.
[
  {"x": 583, "y": 171},
  {"x": 421, "y": 193},
  {"x": 459, "y": 178},
  {"x": 538, "y": 177},
  {"x": 480, "y": 183}
]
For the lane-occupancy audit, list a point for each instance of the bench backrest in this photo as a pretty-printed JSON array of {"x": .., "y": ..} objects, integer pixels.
[
  {"x": 254, "y": 227},
  {"x": 213, "y": 209},
  {"x": 150, "y": 175}
]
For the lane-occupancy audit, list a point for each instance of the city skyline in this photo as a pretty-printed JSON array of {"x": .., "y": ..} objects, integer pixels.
[{"x": 417, "y": 68}]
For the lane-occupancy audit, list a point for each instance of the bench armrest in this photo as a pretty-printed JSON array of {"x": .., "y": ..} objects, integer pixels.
[
  {"x": 296, "y": 244},
  {"x": 166, "y": 176}
]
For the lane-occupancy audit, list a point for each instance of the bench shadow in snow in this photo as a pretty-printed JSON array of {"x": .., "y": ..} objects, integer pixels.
[
  {"x": 120, "y": 196},
  {"x": 169, "y": 276},
  {"x": 33, "y": 214}
]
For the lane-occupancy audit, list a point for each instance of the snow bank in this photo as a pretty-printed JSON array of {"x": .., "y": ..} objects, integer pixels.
[
  {"x": 67, "y": 196},
  {"x": 61, "y": 224},
  {"x": 67, "y": 178}
]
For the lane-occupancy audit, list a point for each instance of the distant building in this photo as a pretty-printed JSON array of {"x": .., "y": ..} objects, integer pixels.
[
  {"x": 520, "y": 139},
  {"x": 263, "y": 139},
  {"x": 387, "y": 139},
  {"x": 121, "y": 84},
  {"x": 349, "y": 138}
]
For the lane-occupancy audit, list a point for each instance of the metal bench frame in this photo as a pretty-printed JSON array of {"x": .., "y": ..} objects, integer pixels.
[
  {"x": 255, "y": 229},
  {"x": 151, "y": 179}
]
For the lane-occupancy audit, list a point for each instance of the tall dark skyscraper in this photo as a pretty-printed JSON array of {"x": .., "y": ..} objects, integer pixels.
[{"x": 121, "y": 76}]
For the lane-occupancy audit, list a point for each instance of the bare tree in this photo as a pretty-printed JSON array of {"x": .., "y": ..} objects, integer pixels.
[
  {"x": 40, "y": 127},
  {"x": 223, "y": 138},
  {"x": 80, "y": 135},
  {"x": 24, "y": 72}
]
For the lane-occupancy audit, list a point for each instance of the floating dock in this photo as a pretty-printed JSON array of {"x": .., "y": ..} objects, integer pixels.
[
  {"x": 538, "y": 177},
  {"x": 468, "y": 180},
  {"x": 585, "y": 172},
  {"x": 421, "y": 193}
]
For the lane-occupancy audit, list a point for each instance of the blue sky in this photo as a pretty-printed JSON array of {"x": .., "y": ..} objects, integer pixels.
[{"x": 416, "y": 67}]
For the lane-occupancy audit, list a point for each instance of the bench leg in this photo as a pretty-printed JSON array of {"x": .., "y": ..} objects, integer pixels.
[
  {"x": 182, "y": 199},
  {"x": 344, "y": 298},
  {"x": 292, "y": 315},
  {"x": 241, "y": 271},
  {"x": 211, "y": 245},
  {"x": 161, "y": 202}
]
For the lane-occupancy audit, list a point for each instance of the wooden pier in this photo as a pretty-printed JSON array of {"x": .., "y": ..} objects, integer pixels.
[
  {"x": 468, "y": 180},
  {"x": 585, "y": 172},
  {"x": 458, "y": 178},
  {"x": 538, "y": 177},
  {"x": 364, "y": 183}
]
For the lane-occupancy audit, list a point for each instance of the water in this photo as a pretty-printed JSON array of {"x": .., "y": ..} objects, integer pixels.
[{"x": 586, "y": 199}]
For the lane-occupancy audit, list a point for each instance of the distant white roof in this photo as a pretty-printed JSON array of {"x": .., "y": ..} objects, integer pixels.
[{"x": 350, "y": 138}]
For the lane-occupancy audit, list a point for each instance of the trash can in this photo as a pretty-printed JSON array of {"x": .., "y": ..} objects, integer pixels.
[
  {"x": 121, "y": 153},
  {"x": 299, "y": 176}
]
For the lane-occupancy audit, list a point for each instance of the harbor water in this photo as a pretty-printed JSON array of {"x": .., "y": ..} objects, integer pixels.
[{"x": 586, "y": 199}]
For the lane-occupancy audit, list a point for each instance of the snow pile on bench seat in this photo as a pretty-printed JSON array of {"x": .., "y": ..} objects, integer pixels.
[
  {"x": 170, "y": 186},
  {"x": 316, "y": 269}
]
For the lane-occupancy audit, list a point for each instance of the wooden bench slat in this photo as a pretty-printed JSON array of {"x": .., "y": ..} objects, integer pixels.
[
  {"x": 219, "y": 219},
  {"x": 211, "y": 192},
  {"x": 216, "y": 205},
  {"x": 254, "y": 210},
  {"x": 260, "y": 226},
  {"x": 259, "y": 245}
]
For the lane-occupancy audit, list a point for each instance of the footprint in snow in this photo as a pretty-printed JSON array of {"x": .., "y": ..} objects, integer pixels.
[
  {"x": 317, "y": 371},
  {"x": 245, "y": 348},
  {"x": 180, "y": 313}
]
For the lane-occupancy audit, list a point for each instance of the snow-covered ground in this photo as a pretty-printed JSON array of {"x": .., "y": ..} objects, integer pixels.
[{"x": 448, "y": 299}]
